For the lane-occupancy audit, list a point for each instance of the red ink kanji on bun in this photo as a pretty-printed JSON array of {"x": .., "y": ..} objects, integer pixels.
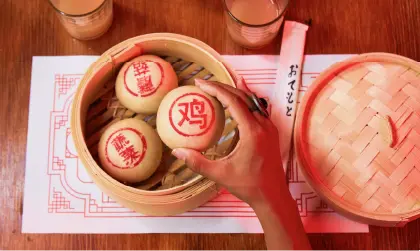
[
  {"x": 119, "y": 144},
  {"x": 190, "y": 118},
  {"x": 143, "y": 82},
  {"x": 130, "y": 150}
]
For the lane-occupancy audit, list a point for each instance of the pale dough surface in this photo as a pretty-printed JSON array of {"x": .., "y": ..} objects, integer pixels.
[
  {"x": 143, "y": 82},
  {"x": 190, "y": 118},
  {"x": 130, "y": 150}
]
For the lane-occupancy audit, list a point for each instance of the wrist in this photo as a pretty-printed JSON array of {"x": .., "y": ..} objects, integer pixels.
[
  {"x": 272, "y": 197},
  {"x": 280, "y": 219},
  {"x": 273, "y": 203}
]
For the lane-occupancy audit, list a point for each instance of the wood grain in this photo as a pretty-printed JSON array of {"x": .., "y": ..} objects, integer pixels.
[{"x": 29, "y": 28}]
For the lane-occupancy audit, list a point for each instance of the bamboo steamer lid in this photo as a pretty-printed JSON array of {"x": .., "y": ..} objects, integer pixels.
[
  {"x": 357, "y": 138},
  {"x": 173, "y": 188}
]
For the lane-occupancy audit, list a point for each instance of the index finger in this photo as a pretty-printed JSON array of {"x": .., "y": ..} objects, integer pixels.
[
  {"x": 232, "y": 102},
  {"x": 236, "y": 91}
]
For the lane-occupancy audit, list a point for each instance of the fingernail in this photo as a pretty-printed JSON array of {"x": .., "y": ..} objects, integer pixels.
[
  {"x": 200, "y": 82},
  {"x": 179, "y": 154}
]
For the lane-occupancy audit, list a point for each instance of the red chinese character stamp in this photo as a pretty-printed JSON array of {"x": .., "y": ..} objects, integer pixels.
[
  {"x": 138, "y": 79},
  {"x": 192, "y": 114},
  {"x": 130, "y": 153}
]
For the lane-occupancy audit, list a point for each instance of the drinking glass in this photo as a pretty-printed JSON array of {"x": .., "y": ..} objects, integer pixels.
[
  {"x": 84, "y": 20},
  {"x": 263, "y": 28}
]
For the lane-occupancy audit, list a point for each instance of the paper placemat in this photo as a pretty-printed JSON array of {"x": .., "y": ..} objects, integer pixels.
[{"x": 60, "y": 197}]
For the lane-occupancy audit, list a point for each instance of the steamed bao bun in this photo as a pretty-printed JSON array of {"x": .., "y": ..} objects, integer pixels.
[
  {"x": 130, "y": 150},
  {"x": 143, "y": 82},
  {"x": 190, "y": 118}
]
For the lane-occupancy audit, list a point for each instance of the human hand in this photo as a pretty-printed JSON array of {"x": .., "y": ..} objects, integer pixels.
[{"x": 253, "y": 170}]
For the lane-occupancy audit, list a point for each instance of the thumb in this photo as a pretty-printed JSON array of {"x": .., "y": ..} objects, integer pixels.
[{"x": 196, "y": 161}]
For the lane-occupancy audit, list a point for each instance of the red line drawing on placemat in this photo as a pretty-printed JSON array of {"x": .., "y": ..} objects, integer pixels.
[
  {"x": 307, "y": 201},
  {"x": 71, "y": 191}
]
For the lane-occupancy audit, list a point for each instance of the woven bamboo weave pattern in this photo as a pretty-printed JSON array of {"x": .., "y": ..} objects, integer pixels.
[{"x": 363, "y": 137}]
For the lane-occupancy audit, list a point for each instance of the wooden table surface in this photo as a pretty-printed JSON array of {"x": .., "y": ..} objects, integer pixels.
[{"x": 30, "y": 28}]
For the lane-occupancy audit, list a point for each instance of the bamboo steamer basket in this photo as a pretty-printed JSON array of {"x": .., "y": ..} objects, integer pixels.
[
  {"x": 173, "y": 188},
  {"x": 357, "y": 138}
]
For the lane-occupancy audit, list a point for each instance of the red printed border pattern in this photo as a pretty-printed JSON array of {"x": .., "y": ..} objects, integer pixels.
[
  {"x": 258, "y": 76},
  {"x": 71, "y": 190}
]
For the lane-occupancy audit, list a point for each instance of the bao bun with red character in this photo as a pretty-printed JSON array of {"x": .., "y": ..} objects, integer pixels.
[
  {"x": 130, "y": 150},
  {"x": 143, "y": 82},
  {"x": 190, "y": 118}
]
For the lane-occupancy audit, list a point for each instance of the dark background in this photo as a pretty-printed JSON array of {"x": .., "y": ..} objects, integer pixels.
[{"x": 30, "y": 27}]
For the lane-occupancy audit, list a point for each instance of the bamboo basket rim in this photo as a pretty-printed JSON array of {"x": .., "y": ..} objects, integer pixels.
[
  {"x": 309, "y": 172},
  {"x": 108, "y": 56}
]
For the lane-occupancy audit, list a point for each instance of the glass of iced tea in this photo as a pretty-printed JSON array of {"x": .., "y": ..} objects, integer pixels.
[
  {"x": 84, "y": 19},
  {"x": 254, "y": 23}
]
